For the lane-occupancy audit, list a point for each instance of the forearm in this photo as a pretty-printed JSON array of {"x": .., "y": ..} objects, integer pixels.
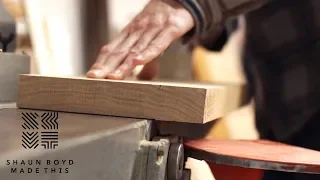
[{"x": 210, "y": 15}]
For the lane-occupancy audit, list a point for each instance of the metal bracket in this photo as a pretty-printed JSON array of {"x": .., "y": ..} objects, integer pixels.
[
  {"x": 161, "y": 159},
  {"x": 176, "y": 161},
  {"x": 157, "y": 159},
  {"x": 151, "y": 160}
]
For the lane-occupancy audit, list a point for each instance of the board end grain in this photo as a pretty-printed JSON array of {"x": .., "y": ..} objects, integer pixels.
[{"x": 222, "y": 100}]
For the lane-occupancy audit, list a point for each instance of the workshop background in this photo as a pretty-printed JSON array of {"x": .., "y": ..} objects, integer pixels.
[{"x": 63, "y": 37}]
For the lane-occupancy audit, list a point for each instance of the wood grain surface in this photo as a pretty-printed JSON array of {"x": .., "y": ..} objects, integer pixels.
[
  {"x": 259, "y": 154},
  {"x": 168, "y": 101}
]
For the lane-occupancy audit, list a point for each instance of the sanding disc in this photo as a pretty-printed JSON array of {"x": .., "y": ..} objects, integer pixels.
[{"x": 257, "y": 154}]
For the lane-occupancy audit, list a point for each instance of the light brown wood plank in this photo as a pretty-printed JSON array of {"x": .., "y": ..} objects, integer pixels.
[{"x": 181, "y": 102}]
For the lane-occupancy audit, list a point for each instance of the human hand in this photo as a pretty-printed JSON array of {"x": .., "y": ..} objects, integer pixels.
[{"x": 144, "y": 39}]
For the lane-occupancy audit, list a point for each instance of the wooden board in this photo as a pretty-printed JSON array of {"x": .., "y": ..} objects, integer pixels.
[
  {"x": 257, "y": 154},
  {"x": 182, "y": 102}
]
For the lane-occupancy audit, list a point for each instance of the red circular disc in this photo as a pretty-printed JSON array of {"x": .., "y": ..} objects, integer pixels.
[{"x": 259, "y": 154}]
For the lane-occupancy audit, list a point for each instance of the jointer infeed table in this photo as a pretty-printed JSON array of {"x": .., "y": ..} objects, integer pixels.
[{"x": 47, "y": 138}]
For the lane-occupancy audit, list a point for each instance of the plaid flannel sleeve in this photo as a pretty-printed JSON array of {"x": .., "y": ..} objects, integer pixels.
[{"x": 210, "y": 15}]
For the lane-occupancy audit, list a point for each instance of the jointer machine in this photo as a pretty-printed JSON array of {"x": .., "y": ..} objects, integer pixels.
[
  {"x": 41, "y": 140},
  {"x": 57, "y": 128}
]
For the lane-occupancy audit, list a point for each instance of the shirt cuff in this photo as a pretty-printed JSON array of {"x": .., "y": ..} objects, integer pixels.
[{"x": 199, "y": 18}]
